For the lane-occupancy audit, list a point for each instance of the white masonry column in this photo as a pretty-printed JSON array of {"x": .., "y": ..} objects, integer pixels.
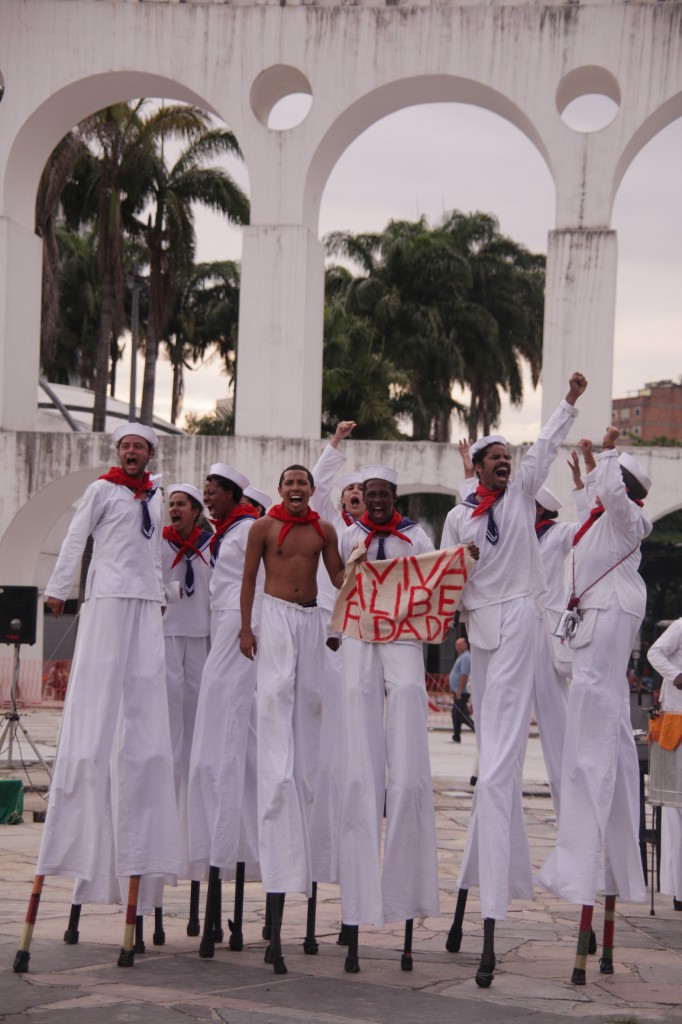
[
  {"x": 580, "y": 303},
  {"x": 279, "y": 383},
  {"x": 21, "y": 257}
]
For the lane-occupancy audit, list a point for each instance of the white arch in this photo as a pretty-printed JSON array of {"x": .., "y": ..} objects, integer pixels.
[
  {"x": 399, "y": 95},
  {"x": 660, "y": 119}
]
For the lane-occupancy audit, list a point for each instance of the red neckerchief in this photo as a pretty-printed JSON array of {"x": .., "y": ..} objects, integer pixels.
[
  {"x": 186, "y": 547},
  {"x": 240, "y": 511},
  {"x": 595, "y": 514},
  {"x": 390, "y": 527},
  {"x": 544, "y": 522},
  {"x": 309, "y": 518},
  {"x": 486, "y": 499},
  {"x": 348, "y": 520},
  {"x": 141, "y": 487}
]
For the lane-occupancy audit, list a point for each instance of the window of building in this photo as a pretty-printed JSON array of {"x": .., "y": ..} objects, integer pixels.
[
  {"x": 625, "y": 414},
  {"x": 636, "y": 431},
  {"x": 637, "y": 411}
]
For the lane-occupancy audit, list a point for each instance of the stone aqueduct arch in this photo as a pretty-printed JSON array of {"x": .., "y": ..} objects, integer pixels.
[{"x": 62, "y": 59}]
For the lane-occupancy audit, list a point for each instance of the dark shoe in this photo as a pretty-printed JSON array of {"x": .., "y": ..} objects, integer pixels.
[
  {"x": 473, "y": 780},
  {"x": 456, "y": 739},
  {"x": 677, "y": 904}
]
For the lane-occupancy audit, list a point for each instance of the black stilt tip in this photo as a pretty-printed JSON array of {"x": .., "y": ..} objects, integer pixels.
[
  {"x": 159, "y": 938},
  {"x": 193, "y": 929},
  {"x": 21, "y": 961},
  {"x": 218, "y": 935},
  {"x": 236, "y": 940},
  {"x": 267, "y": 957},
  {"x": 677, "y": 904},
  {"x": 578, "y": 976},
  {"x": 267, "y": 932},
  {"x": 592, "y": 944},
  {"x": 485, "y": 973},
  {"x": 453, "y": 943},
  {"x": 71, "y": 936},
  {"x": 606, "y": 965},
  {"x": 310, "y": 946},
  {"x": 342, "y": 939},
  {"x": 406, "y": 962},
  {"x": 139, "y": 946},
  {"x": 206, "y": 949},
  {"x": 126, "y": 957},
  {"x": 352, "y": 965},
  {"x": 278, "y": 965}
]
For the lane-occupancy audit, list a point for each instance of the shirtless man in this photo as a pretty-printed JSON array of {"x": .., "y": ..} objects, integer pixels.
[{"x": 289, "y": 541}]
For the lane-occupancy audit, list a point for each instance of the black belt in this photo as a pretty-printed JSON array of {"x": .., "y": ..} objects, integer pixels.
[{"x": 308, "y": 604}]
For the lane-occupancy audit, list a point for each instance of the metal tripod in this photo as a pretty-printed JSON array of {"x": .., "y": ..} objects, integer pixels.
[{"x": 12, "y": 720}]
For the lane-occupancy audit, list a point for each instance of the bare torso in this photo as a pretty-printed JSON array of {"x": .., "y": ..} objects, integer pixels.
[{"x": 291, "y": 571}]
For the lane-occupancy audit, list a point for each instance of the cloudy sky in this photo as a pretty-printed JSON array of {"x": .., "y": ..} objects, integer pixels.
[{"x": 430, "y": 159}]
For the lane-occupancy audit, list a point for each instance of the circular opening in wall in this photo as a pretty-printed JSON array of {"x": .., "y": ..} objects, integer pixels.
[
  {"x": 588, "y": 98},
  {"x": 281, "y": 97}
]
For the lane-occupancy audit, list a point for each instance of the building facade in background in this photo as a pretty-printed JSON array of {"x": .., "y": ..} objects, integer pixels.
[{"x": 652, "y": 413}]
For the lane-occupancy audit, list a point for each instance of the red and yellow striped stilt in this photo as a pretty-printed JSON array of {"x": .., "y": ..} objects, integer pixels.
[
  {"x": 127, "y": 955},
  {"x": 23, "y": 956},
  {"x": 578, "y": 976},
  {"x": 606, "y": 961}
]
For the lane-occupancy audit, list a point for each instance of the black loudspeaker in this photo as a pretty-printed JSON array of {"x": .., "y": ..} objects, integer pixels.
[{"x": 18, "y": 615}]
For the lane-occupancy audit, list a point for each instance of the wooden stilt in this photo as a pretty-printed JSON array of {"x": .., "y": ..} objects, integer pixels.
[
  {"x": 454, "y": 939},
  {"x": 127, "y": 955},
  {"x": 236, "y": 936},
  {"x": 159, "y": 936},
  {"x": 72, "y": 935},
  {"x": 193, "y": 926},
  {"x": 310, "y": 944},
  {"x": 578, "y": 976},
  {"x": 207, "y": 944},
  {"x": 406, "y": 958},
  {"x": 23, "y": 955},
  {"x": 352, "y": 964},
  {"x": 139, "y": 946},
  {"x": 486, "y": 968},
  {"x": 273, "y": 954},
  {"x": 606, "y": 960}
]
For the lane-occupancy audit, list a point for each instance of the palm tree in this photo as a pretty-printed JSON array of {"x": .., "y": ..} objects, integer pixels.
[
  {"x": 169, "y": 233},
  {"x": 204, "y": 322}
]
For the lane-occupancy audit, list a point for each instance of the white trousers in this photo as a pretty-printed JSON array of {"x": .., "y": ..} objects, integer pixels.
[
  {"x": 386, "y": 758},
  {"x": 118, "y": 667},
  {"x": 496, "y": 856},
  {"x": 671, "y": 852},
  {"x": 290, "y": 670},
  {"x": 550, "y": 699},
  {"x": 598, "y": 839},
  {"x": 326, "y": 813},
  {"x": 219, "y": 751}
]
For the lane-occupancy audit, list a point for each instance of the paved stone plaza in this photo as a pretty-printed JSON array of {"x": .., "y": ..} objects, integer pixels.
[{"x": 535, "y": 946}]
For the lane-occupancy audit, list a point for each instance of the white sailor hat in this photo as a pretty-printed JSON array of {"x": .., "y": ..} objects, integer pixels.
[
  {"x": 483, "y": 442},
  {"x": 188, "y": 489},
  {"x": 228, "y": 473},
  {"x": 136, "y": 429},
  {"x": 548, "y": 499},
  {"x": 378, "y": 473},
  {"x": 260, "y": 496},
  {"x": 630, "y": 463},
  {"x": 345, "y": 481}
]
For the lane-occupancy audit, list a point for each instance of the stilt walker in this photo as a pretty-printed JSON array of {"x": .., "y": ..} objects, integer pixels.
[
  {"x": 598, "y": 837},
  {"x": 499, "y": 610},
  {"x": 120, "y": 648}
]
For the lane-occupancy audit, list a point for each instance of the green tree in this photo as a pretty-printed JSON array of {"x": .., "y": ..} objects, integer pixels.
[{"x": 169, "y": 233}]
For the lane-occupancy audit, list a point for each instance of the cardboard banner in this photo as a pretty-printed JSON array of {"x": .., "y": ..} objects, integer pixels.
[{"x": 410, "y": 598}]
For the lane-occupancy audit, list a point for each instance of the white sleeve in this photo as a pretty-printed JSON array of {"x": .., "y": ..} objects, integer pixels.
[
  {"x": 537, "y": 461},
  {"x": 668, "y": 646},
  {"x": 85, "y": 518},
  {"x": 451, "y": 537},
  {"x": 325, "y": 469},
  {"x": 624, "y": 514}
]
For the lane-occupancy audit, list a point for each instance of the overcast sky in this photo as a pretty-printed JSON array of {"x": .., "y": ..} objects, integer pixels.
[{"x": 430, "y": 159}]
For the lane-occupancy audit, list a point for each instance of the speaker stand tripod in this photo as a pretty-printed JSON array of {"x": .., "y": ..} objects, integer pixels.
[{"x": 13, "y": 724}]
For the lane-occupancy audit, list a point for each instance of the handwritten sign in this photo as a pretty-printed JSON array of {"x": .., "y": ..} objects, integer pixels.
[{"x": 410, "y": 598}]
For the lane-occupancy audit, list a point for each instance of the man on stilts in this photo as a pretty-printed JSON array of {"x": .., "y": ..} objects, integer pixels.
[
  {"x": 598, "y": 838},
  {"x": 118, "y": 677},
  {"x": 499, "y": 611}
]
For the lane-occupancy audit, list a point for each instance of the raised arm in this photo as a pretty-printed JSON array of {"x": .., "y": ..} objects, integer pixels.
[
  {"x": 325, "y": 469},
  {"x": 536, "y": 463}
]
